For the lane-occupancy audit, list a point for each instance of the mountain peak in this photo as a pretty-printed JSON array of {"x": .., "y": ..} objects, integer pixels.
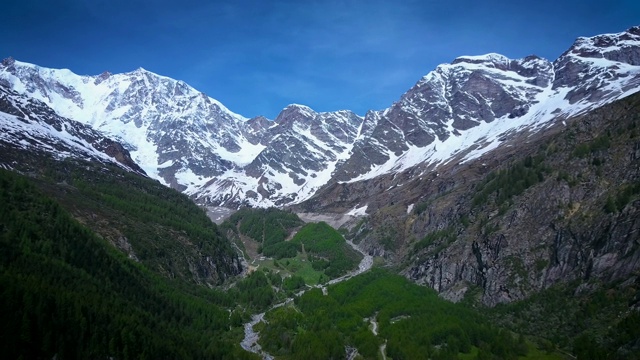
[
  {"x": 491, "y": 58},
  {"x": 622, "y": 47},
  {"x": 8, "y": 61},
  {"x": 295, "y": 112},
  {"x": 144, "y": 72},
  {"x": 298, "y": 107}
]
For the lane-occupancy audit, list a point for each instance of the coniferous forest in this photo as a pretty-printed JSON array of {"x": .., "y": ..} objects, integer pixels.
[{"x": 68, "y": 291}]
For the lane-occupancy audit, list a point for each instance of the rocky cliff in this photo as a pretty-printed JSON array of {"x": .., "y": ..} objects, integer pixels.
[{"x": 557, "y": 206}]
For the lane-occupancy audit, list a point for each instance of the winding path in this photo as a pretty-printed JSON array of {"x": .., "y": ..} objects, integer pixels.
[{"x": 251, "y": 337}]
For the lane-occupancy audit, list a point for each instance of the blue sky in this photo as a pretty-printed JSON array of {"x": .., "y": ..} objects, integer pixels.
[{"x": 256, "y": 57}]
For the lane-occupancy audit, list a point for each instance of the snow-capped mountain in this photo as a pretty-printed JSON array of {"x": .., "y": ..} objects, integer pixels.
[
  {"x": 192, "y": 142},
  {"x": 168, "y": 126},
  {"x": 303, "y": 149},
  {"x": 29, "y": 124},
  {"x": 458, "y": 111},
  {"x": 464, "y": 109}
]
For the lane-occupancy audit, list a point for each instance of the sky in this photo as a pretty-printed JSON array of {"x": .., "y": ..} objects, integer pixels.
[{"x": 256, "y": 57}]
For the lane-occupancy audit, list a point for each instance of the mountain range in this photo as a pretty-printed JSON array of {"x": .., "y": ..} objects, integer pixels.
[
  {"x": 511, "y": 186},
  {"x": 191, "y": 142}
]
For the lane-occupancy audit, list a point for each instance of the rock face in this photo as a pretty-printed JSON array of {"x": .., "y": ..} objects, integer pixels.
[
  {"x": 457, "y": 112},
  {"x": 578, "y": 223},
  {"x": 556, "y": 207},
  {"x": 302, "y": 150}
]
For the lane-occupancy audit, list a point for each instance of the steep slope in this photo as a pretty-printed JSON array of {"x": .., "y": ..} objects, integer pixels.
[
  {"x": 158, "y": 227},
  {"x": 444, "y": 104},
  {"x": 29, "y": 124},
  {"x": 468, "y": 107},
  {"x": 559, "y": 206}
]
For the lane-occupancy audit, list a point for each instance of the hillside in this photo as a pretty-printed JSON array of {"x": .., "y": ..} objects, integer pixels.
[
  {"x": 67, "y": 293},
  {"x": 279, "y": 240},
  {"x": 559, "y": 207},
  {"x": 151, "y": 224},
  {"x": 89, "y": 295},
  {"x": 545, "y": 226}
]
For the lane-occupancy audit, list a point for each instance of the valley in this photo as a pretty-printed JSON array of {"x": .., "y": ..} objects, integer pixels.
[
  {"x": 250, "y": 342},
  {"x": 491, "y": 212}
]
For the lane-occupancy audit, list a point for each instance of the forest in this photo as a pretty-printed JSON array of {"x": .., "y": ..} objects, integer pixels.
[
  {"x": 161, "y": 228},
  {"x": 313, "y": 252},
  {"x": 67, "y": 292},
  {"x": 379, "y": 311}
]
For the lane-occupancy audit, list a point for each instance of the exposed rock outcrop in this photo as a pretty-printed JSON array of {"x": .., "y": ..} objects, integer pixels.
[{"x": 558, "y": 206}]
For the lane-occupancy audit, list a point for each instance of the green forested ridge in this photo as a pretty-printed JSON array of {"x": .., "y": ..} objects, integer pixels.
[
  {"x": 268, "y": 227},
  {"x": 326, "y": 249},
  {"x": 67, "y": 293},
  {"x": 160, "y": 227}
]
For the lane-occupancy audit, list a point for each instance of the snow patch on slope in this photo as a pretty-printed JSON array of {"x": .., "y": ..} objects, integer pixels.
[
  {"x": 358, "y": 211},
  {"x": 31, "y": 133}
]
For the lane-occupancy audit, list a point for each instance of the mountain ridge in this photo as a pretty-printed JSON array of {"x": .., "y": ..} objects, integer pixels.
[
  {"x": 461, "y": 110},
  {"x": 509, "y": 185}
]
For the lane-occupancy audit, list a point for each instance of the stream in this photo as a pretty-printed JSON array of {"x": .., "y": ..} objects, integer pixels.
[
  {"x": 250, "y": 341},
  {"x": 374, "y": 330}
]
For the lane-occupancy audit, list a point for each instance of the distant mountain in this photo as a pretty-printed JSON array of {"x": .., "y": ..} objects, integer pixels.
[
  {"x": 457, "y": 112},
  {"x": 303, "y": 149},
  {"x": 466, "y": 108},
  {"x": 167, "y": 125},
  {"x": 192, "y": 142}
]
